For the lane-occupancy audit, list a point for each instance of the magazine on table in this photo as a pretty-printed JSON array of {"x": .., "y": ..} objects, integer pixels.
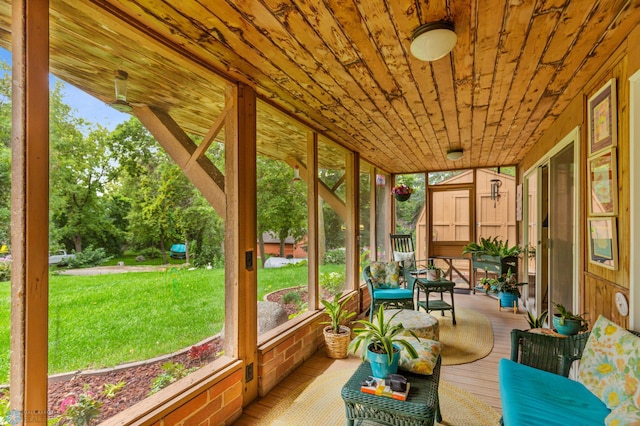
[{"x": 382, "y": 387}]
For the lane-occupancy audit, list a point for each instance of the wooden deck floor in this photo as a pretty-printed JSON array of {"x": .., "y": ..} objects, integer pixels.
[{"x": 480, "y": 377}]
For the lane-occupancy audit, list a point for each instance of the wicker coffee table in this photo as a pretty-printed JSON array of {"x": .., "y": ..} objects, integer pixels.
[{"x": 421, "y": 407}]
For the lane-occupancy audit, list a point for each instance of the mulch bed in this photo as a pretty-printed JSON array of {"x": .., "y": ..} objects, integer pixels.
[{"x": 138, "y": 379}]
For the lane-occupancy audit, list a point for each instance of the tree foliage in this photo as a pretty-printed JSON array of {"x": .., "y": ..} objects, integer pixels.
[{"x": 282, "y": 202}]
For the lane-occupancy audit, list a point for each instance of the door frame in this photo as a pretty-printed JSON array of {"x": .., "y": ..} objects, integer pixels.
[
  {"x": 634, "y": 179},
  {"x": 572, "y": 137}
]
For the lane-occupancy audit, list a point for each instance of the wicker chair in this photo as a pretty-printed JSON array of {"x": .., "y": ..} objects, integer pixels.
[
  {"x": 399, "y": 298},
  {"x": 547, "y": 352}
]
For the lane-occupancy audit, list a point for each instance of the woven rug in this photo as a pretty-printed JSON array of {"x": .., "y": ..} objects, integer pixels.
[
  {"x": 469, "y": 340},
  {"x": 318, "y": 403}
]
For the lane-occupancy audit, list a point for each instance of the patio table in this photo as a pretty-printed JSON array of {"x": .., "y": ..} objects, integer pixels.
[
  {"x": 440, "y": 286},
  {"x": 422, "y": 406}
]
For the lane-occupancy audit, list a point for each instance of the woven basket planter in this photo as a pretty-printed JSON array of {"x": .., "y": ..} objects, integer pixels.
[{"x": 337, "y": 344}]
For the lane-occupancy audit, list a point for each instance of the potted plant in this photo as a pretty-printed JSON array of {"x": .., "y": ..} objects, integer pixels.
[
  {"x": 493, "y": 253},
  {"x": 381, "y": 343},
  {"x": 568, "y": 323},
  {"x": 537, "y": 322},
  {"x": 433, "y": 272},
  {"x": 337, "y": 335},
  {"x": 506, "y": 286},
  {"x": 402, "y": 192}
]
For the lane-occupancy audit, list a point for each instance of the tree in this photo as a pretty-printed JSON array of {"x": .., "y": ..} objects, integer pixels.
[
  {"x": 80, "y": 168},
  {"x": 5, "y": 153},
  {"x": 282, "y": 203}
]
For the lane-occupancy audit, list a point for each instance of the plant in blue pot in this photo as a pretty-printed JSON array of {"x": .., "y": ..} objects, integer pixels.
[
  {"x": 567, "y": 323},
  {"x": 381, "y": 343},
  {"x": 507, "y": 287}
]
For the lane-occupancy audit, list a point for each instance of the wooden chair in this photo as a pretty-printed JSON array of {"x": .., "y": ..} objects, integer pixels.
[{"x": 400, "y": 298}]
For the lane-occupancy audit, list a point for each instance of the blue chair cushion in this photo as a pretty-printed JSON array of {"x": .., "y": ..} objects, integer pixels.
[
  {"x": 393, "y": 293},
  {"x": 535, "y": 397}
]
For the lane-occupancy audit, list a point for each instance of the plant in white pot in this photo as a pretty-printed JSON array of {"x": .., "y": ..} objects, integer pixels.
[
  {"x": 381, "y": 343},
  {"x": 433, "y": 272},
  {"x": 337, "y": 335}
]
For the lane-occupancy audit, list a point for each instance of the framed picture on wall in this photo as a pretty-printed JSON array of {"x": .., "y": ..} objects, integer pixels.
[
  {"x": 603, "y": 184},
  {"x": 603, "y": 242},
  {"x": 602, "y": 118}
]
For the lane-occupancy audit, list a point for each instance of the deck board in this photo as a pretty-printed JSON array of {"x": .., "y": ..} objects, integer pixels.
[{"x": 479, "y": 378}]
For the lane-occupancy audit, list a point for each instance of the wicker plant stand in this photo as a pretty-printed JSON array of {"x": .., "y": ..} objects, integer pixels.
[{"x": 422, "y": 407}]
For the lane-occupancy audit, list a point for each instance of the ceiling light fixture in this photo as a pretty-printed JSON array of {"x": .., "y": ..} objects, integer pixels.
[
  {"x": 455, "y": 154},
  {"x": 121, "y": 103},
  {"x": 433, "y": 40}
]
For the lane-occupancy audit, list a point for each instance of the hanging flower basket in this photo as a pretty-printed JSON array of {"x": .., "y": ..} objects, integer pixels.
[{"x": 402, "y": 192}]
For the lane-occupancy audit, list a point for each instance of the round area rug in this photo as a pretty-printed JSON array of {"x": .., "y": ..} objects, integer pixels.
[
  {"x": 469, "y": 340},
  {"x": 318, "y": 402}
]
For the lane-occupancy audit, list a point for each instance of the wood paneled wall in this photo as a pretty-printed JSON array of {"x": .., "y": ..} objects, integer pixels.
[{"x": 598, "y": 285}]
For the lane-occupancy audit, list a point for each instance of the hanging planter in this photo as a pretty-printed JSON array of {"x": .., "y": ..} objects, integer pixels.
[{"x": 402, "y": 192}]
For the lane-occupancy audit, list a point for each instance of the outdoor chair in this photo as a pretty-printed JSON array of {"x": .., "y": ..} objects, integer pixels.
[
  {"x": 403, "y": 251},
  {"x": 547, "y": 352},
  {"x": 386, "y": 287}
]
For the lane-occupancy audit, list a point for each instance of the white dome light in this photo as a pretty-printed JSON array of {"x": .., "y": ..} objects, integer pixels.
[
  {"x": 454, "y": 154},
  {"x": 433, "y": 40}
]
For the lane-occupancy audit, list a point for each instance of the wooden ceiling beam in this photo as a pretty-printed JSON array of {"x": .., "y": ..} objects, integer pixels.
[{"x": 204, "y": 175}]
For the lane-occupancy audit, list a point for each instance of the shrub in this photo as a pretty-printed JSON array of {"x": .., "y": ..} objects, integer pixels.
[
  {"x": 292, "y": 297},
  {"x": 151, "y": 253},
  {"x": 81, "y": 409},
  {"x": 172, "y": 372},
  {"x": 5, "y": 271},
  {"x": 335, "y": 257},
  {"x": 89, "y": 257},
  {"x": 333, "y": 282}
]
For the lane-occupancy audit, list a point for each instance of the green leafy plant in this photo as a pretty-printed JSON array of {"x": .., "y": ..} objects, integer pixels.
[
  {"x": 81, "y": 410},
  {"x": 333, "y": 282},
  {"x": 380, "y": 335},
  {"x": 337, "y": 312},
  {"x": 5, "y": 406},
  {"x": 564, "y": 314},
  {"x": 88, "y": 257},
  {"x": 537, "y": 322},
  {"x": 492, "y": 247},
  {"x": 432, "y": 267},
  {"x": 172, "y": 372},
  {"x": 111, "y": 389},
  {"x": 506, "y": 283},
  {"x": 292, "y": 297}
]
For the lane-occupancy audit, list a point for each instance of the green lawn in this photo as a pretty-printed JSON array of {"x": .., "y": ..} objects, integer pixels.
[{"x": 104, "y": 320}]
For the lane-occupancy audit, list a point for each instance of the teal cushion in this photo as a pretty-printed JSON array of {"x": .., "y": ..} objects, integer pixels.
[
  {"x": 393, "y": 293},
  {"x": 535, "y": 397}
]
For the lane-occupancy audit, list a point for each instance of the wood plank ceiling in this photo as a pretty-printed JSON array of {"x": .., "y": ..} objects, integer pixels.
[{"x": 344, "y": 67}]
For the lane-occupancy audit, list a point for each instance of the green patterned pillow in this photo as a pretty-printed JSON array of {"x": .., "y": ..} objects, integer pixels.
[
  {"x": 609, "y": 365},
  {"x": 428, "y": 353},
  {"x": 385, "y": 274}
]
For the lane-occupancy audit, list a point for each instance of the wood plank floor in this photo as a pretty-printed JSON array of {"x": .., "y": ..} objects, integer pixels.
[{"x": 480, "y": 377}]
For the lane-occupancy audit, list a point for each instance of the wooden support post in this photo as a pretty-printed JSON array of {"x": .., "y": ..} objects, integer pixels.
[
  {"x": 241, "y": 237},
  {"x": 29, "y": 212}
]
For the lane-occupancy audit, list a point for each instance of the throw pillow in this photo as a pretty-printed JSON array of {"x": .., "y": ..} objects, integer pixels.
[
  {"x": 407, "y": 259},
  {"x": 385, "y": 274},
  {"x": 609, "y": 365},
  {"x": 428, "y": 353},
  {"x": 624, "y": 414}
]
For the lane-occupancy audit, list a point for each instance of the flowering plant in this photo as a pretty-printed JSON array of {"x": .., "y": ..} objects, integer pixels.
[{"x": 401, "y": 189}]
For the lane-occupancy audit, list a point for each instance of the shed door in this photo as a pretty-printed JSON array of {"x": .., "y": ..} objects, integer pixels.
[{"x": 450, "y": 221}]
